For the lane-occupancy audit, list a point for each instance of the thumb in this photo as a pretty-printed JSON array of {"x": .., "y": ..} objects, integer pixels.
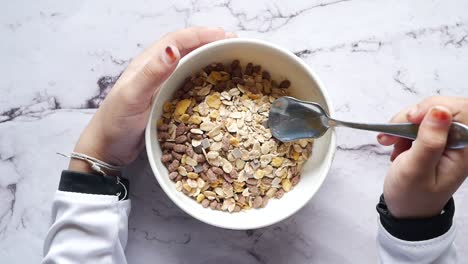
[
  {"x": 147, "y": 72},
  {"x": 431, "y": 140},
  {"x": 151, "y": 68}
]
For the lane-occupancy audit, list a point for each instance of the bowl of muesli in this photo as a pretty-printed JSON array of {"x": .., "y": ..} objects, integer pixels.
[{"x": 208, "y": 140}]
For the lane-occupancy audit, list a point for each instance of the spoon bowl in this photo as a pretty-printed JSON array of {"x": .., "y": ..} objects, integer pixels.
[{"x": 291, "y": 119}]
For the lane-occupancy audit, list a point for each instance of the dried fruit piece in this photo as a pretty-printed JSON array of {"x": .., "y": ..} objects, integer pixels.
[
  {"x": 195, "y": 119},
  {"x": 296, "y": 155},
  {"x": 181, "y": 107},
  {"x": 192, "y": 175},
  {"x": 277, "y": 161},
  {"x": 213, "y": 100},
  {"x": 200, "y": 197},
  {"x": 285, "y": 84},
  {"x": 286, "y": 184}
]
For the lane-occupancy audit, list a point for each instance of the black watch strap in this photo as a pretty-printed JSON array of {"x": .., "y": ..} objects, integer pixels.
[
  {"x": 72, "y": 181},
  {"x": 416, "y": 229}
]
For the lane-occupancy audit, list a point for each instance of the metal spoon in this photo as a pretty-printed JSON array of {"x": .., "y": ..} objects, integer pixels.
[{"x": 291, "y": 119}]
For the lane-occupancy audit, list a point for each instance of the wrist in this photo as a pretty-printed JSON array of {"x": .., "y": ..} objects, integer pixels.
[
  {"x": 83, "y": 166},
  {"x": 416, "y": 229},
  {"x": 415, "y": 205}
]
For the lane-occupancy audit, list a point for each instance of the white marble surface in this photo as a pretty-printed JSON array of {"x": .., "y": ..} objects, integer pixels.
[{"x": 375, "y": 57}]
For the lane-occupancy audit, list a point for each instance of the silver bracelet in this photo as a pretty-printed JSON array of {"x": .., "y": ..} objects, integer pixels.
[{"x": 97, "y": 166}]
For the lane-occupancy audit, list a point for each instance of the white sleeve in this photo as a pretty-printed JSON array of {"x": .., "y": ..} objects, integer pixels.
[
  {"x": 439, "y": 250},
  {"x": 87, "y": 228}
]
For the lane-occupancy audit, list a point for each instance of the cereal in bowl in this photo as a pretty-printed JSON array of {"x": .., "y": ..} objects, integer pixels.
[{"x": 216, "y": 144}]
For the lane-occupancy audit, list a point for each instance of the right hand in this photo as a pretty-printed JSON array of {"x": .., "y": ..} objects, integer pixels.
[{"x": 424, "y": 174}]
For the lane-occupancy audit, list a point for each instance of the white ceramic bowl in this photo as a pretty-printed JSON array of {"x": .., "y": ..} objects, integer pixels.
[{"x": 281, "y": 63}]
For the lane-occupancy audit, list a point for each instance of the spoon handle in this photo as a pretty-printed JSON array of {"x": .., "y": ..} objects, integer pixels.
[{"x": 457, "y": 138}]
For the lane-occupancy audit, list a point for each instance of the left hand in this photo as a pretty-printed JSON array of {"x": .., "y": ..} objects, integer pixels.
[{"x": 115, "y": 134}]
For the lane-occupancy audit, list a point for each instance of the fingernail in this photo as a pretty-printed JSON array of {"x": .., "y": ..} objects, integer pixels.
[
  {"x": 414, "y": 111},
  {"x": 439, "y": 114},
  {"x": 230, "y": 35},
  {"x": 169, "y": 56},
  {"x": 381, "y": 137}
]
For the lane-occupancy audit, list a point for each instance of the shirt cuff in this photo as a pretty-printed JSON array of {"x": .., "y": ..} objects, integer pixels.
[
  {"x": 78, "y": 182},
  {"x": 416, "y": 229}
]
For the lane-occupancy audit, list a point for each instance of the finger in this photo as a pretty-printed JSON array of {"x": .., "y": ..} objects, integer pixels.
[
  {"x": 387, "y": 140},
  {"x": 454, "y": 104},
  {"x": 453, "y": 169},
  {"x": 400, "y": 117},
  {"x": 189, "y": 39},
  {"x": 400, "y": 147},
  {"x": 231, "y": 35},
  {"x": 416, "y": 113},
  {"x": 150, "y": 69},
  {"x": 430, "y": 142}
]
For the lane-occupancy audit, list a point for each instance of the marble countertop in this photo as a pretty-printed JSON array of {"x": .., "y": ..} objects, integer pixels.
[{"x": 59, "y": 58}]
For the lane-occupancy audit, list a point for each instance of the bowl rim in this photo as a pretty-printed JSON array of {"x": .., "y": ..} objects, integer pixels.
[{"x": 290, "y": 55}]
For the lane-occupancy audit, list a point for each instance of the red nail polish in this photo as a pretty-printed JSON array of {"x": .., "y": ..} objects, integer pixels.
[
  {"x": 439, "y": 115},
  {"x": 170, "y": 54}
]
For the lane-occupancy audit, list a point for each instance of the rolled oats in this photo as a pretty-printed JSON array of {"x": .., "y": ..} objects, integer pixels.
[{"x": 216, "y": 144}]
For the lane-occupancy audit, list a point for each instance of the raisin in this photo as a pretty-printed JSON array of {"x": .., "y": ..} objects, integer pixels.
[
  {"x": 257, "y": 68},
  {"x": 266, "y": 75},
  {"x": 249, "y": 69},
  {"x": 285, "y": 84}
]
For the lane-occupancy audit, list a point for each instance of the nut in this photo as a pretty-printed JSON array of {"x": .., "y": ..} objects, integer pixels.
[
  {"x": 173, "y": 166},
  {"x": 173, "y": 175},
  {"x": 257, "y": 202},
  {"x": 217, "y": 171},
  {"x": 205, "y": 203},
  {"x": 166, "y": 158},
  {"x": 179, "y": 148},
  {"x": 181, "y": 139}
]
